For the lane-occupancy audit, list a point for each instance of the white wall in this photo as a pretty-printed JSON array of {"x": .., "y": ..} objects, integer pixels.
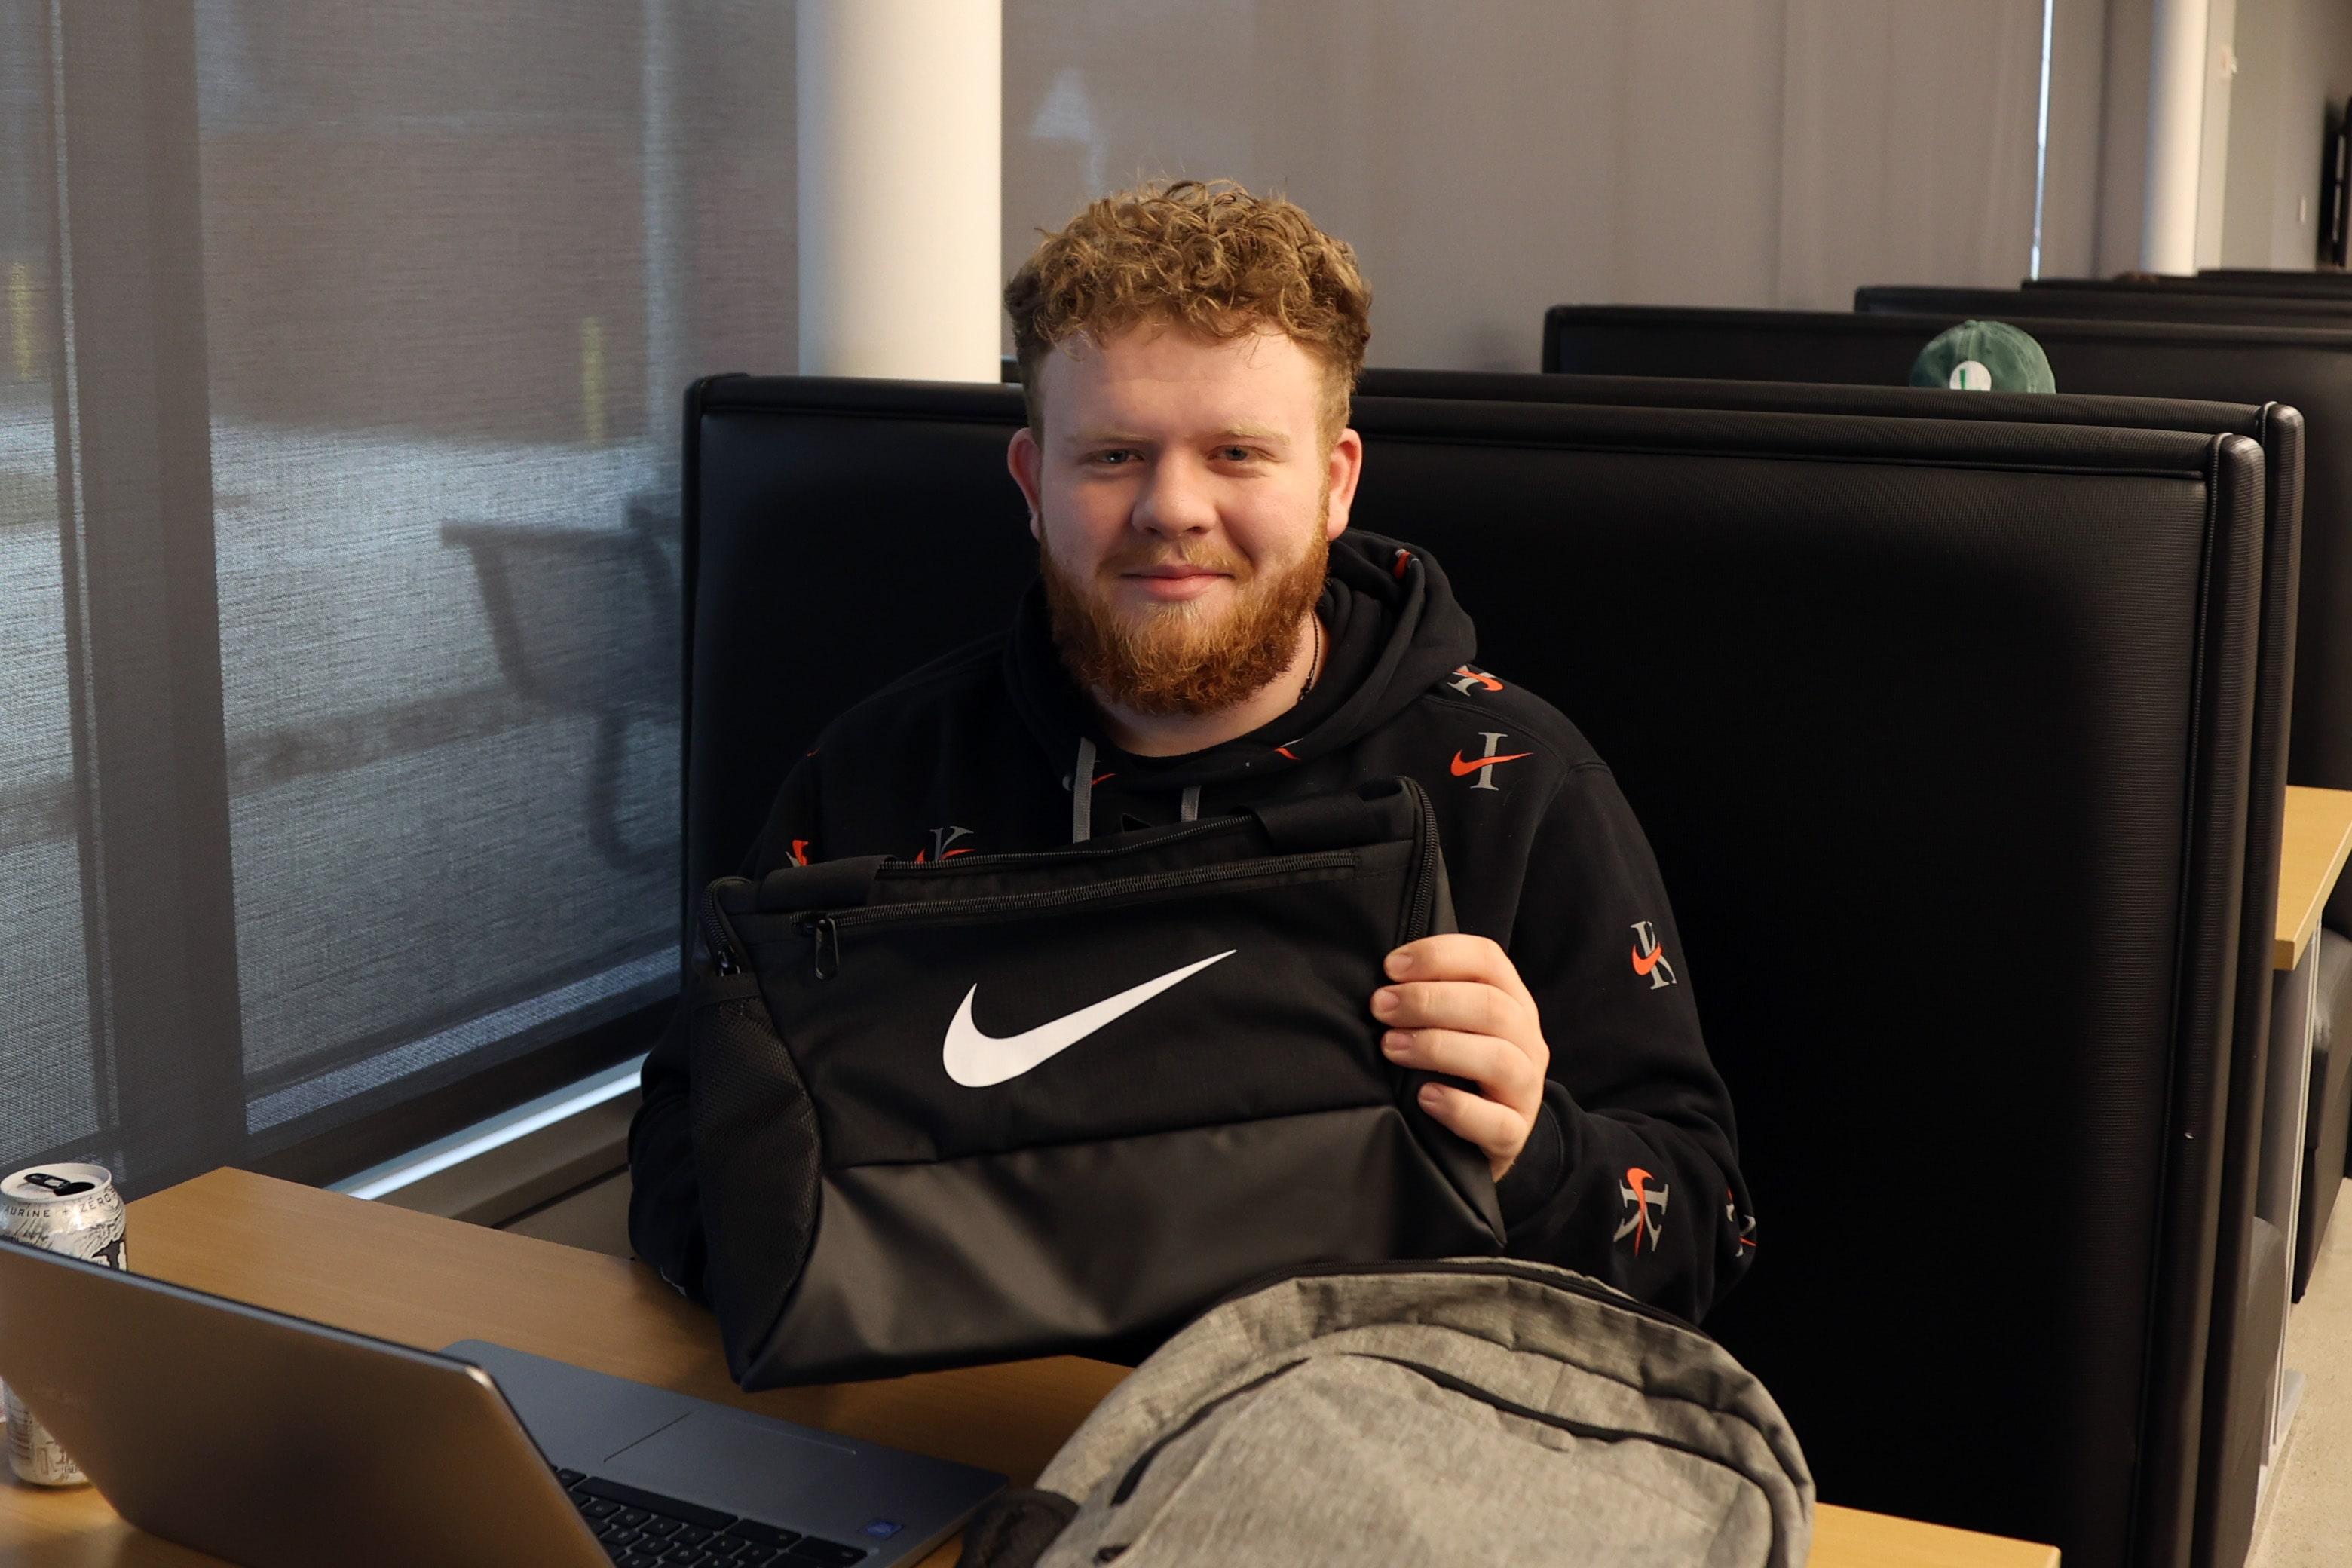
[
  {"x": 2213, "y": 156},
  {"x": 2295, "y": 57},
  {"x": 2121, "y": 86},
  {"x": 2249, "y": 191},
  {"x": 2075, "y": 214},
  {"x": 2318, "y": 69},
  {"x": 1488, "y": 158}
]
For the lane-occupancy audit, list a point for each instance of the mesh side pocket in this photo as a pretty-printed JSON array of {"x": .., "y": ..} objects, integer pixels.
[{"x": 757, "y": 1163}]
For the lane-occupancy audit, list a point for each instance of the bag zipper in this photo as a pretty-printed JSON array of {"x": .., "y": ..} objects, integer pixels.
[
  {"x": 824, "y": 929},
  {"x": 1133, "y": 1477},
  {"x": 1468, "y": 1390},
  {"x": 1184, "y": 834},
  {"x": 1424, "y": 832},
  {"x": 1571, "y": 1284},
  {"x": 726, "y": 953}
]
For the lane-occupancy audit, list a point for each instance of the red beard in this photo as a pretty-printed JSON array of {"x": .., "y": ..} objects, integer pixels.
[{"x": 1164, "y": 659}]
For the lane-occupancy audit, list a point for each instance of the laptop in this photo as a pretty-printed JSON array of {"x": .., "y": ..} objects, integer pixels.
[{"x": 276, "y": 1442}]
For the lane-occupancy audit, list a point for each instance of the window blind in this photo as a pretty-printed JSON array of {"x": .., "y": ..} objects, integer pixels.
[{"x": 338, "y": 638}]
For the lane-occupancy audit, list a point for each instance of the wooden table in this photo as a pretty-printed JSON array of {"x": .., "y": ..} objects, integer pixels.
[
  {"x": 2314, "y": 843},
  {"x": 428, "y": 1282}
]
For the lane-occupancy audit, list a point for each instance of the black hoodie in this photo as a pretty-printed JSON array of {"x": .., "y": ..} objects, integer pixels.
[{"x": 1629, "y": 1174}]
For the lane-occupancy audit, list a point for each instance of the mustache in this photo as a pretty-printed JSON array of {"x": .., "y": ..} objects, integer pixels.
[{"x": 1226, "y": 564}]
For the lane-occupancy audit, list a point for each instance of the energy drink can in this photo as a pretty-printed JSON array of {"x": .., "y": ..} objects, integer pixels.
[{"x": 72, "y": 1209}]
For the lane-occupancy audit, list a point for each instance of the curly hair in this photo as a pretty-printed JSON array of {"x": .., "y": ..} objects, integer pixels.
[{"x": 1204, "y": 255}]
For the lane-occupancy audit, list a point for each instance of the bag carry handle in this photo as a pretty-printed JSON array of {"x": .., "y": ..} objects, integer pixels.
[
  {"x": 1342, "y": 821},
  {"x": 827, "y": 885}
]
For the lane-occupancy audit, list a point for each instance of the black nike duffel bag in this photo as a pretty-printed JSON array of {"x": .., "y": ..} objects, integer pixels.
[{"x": 1012, "y": 1105}]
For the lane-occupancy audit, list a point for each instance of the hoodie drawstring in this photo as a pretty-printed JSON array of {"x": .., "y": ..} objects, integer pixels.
[{"x": 1082, "y": 795}]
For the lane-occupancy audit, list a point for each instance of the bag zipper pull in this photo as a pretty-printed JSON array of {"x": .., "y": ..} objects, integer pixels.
[
  {"x": 828, "y": 947},
  {"x": 719, "y": 933}
]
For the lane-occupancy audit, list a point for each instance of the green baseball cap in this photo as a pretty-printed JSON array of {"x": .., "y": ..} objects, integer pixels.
[{"x": 1984, "y": 356}]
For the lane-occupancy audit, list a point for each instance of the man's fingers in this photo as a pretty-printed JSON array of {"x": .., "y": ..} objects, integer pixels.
[
  {"x": 1458, "y": 956},
  {"x": 1499, "y": 1131},
  {"x": 1471, "y": 1007},
  {"x": 1498, "y": 1066},
  {"x": 1455, "y": 1005}
]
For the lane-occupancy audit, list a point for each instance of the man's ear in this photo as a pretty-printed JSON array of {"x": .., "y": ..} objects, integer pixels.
[
  {"x": 1343, "y": 467},
  {"x": 1023, "y": 459}
]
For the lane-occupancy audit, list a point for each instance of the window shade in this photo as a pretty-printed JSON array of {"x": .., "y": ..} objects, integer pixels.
[{"x": 338, "y": 641}]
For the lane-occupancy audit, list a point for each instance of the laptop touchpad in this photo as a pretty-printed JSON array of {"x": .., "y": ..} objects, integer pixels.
[{"x": 742, "y": 1465}]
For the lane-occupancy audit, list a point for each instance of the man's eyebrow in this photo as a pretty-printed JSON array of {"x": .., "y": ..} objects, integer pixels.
[{"x": 1109, "y": 437}]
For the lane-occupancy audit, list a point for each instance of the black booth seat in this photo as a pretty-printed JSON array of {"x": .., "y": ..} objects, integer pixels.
[
  {"x": 1894, "y": 400},
  {"x": 2328, "y": 646},
  {"x": 1940, "y": 731},
  {"x": 2281, "y": 285},
  {"x": 2286, "y": 280},
  {"x": 2181, "y": 344},
  {"x": 2214, "y": 306},
  {"x": 2309, "y": 370},
  {"x": 2243, "y": 1348},
  {"x": 2221, "y": 306}
]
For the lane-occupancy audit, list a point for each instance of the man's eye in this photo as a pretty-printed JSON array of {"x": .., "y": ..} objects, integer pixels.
[
  {"x": 1116, "y": 458},
  {"x": 1235, "y": 454}
]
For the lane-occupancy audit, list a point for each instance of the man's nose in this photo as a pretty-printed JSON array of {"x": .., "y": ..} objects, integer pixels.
[{"x": 1176, "y": 500}]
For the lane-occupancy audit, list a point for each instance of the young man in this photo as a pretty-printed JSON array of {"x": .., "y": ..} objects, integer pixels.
[{"x": 1205, "y": 633}]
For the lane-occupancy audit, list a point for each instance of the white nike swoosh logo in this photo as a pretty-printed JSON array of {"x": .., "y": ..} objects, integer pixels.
[{"x": 976, "y": 1061}]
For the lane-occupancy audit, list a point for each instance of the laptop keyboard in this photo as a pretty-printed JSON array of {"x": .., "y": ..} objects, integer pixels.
[{"x": 645, "y": 1530}]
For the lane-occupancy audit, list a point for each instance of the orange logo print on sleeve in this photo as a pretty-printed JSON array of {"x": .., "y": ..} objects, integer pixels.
[
  {"x": 1645, "y": 1215},
  {"x": 1650, "y": 956}
]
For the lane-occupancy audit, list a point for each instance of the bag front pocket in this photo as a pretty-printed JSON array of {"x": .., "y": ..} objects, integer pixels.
[
  {"x": 1366, "y": 1460},
  {"x": 1101, "y": 1247}
]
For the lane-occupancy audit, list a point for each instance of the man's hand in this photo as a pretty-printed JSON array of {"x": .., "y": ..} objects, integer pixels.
[{"x": 1458, "y": 1008}]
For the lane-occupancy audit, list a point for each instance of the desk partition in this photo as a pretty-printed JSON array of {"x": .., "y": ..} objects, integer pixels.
[
  {"x": 2245, "y": 1337},
  {"x": 2323, "y": 724}
]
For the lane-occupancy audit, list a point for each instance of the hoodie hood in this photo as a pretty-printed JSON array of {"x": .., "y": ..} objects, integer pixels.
[{"x": 1395, "y": 630}]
